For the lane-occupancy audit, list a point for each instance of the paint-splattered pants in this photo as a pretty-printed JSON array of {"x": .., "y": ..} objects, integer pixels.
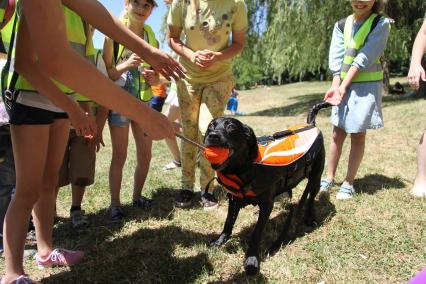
[{"x": 199, "y": 103}]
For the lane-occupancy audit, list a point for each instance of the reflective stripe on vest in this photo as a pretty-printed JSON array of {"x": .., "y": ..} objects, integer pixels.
[
  {"x": 352, "y": 46},
  {"x": 77, "y": 39},
  {"x": 287, "y": 150},
  {"x": 144, "y": 88}
]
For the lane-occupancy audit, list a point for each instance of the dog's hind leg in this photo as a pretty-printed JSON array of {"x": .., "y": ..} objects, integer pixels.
[
  {"x": 234, "y": 207},
  {"x": 252, "y": 263},
  {"x": 314, "y": 186},
  {"x": 291, "y": 223}
]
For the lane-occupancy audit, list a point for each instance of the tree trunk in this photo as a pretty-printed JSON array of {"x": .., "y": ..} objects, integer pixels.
[{"x": 386, "y": 76}]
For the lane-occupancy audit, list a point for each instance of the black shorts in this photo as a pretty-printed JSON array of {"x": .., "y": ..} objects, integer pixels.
[{"x": 21, "y": 114}]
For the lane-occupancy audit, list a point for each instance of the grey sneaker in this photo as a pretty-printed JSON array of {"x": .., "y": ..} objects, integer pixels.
[
  {"x": 79, "y": 219},
  {"x": 208, "y": 201}
]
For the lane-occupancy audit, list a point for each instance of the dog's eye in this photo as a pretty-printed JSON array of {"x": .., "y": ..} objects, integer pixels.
[{"x": 230, "y": 128}]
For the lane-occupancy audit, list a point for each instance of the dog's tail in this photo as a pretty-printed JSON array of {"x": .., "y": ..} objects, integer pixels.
[{"x": 314, "y": 111}]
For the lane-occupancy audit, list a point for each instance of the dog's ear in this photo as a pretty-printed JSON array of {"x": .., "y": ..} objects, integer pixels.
[{"x": 251, "y": 142}]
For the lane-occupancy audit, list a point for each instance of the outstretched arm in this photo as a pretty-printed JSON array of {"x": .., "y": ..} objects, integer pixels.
[
  {"x": 46, "y": 25},
  {"x": 28, "y": 67},
  {"x": 419, "y": 48},
  {"x": 98, "y": 16}
]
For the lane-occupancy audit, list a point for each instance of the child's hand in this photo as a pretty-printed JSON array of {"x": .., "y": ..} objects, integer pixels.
[
  {"x": 334, "y": 96},
  {"x": 133, "y": 61},
  {"x": 98, "y": 140},
  {"x": 199, "y": 59},
  {"x": 166, "y": 65},
  {"x": 82, "y": 122},
  {"x": 209, "y": 57},
  {"x": 416, "y": 72},
  {"x": 151, "y": 77}
]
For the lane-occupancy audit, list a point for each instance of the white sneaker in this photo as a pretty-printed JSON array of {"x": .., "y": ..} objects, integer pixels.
[{"x": 346, "y": 191}]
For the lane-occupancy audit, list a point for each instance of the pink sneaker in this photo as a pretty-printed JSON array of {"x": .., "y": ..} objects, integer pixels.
[
  {"x": 23, "y": 279},
  {"x": 61, "y": 257}
]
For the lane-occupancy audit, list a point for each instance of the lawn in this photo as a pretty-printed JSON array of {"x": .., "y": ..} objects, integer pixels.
[{"x": 377, "y": 237}]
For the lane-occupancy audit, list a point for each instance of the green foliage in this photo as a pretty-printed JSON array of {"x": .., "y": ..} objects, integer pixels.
[{"x": 293, "y": 37}]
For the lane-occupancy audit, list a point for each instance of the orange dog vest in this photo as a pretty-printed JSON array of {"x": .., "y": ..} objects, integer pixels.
[{"x": 279, "y": 152}]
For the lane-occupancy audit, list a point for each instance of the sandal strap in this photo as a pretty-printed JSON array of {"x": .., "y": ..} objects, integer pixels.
[
  {"x": 325, "y": 183},
  {"x": 347, "y": 188}
]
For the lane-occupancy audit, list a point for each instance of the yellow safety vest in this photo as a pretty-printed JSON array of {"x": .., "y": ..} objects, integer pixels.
[
  {"x": 144, "y": 88},
  {"x": 352, "y": 46},
  {"x": 76, "y": 35}
]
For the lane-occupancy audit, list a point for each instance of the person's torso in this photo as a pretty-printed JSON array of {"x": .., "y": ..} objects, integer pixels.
[
  {"x": 132, "y": 80},
  {"x": 208, "y": 28}
]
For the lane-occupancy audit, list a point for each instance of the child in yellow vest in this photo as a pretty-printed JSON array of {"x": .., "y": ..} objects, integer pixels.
[
  {"x": 357, "y": 44},
  {"x": 125, "y": 68},
  {"x": 56, "y": 60}
]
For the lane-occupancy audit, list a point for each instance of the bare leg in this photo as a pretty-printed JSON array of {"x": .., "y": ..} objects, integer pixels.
[
  {"x": 355, "y": 156},
  {"x": 419, "y": 187},
  {"x": 173, "y": 115},
  {"x": 119, "y": 141},
  {"x": 335, "y": 150},
  {"x": 30, "y": 150},
  {"x": 143, "y": 153},
  {"x": 77, "y": 194},
  {"x": 44, "y": 209}
]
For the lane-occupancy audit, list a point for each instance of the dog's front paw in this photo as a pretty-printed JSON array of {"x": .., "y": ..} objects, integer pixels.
[
  {"x": 223, "y": 238},
  {"x": 252, "y": 265}
]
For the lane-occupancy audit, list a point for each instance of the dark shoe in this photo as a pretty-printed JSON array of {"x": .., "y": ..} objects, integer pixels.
[
  {"x": 208, "y": 201},
  {"x": 79, "y": 219},
  {"x": 143, "y": 202},
  {"x": 184, "y": 198},
  {"x": 116, "y": 214}
]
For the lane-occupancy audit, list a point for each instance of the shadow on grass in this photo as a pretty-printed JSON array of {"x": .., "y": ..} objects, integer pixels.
[
  {"x": 304, "y": 103},
  {"x": 324, "y": 211},
  {"x": 370, "y": 184},
  {"x": 147, "y": 256}
]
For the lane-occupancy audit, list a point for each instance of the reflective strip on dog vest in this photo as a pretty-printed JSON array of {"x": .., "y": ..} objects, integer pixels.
[
  {"x": 284, "y": 151},
  {"x": 279, "y": 152}
]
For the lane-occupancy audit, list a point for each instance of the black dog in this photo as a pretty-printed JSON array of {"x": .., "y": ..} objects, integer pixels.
[{"x": 250, "y": 181}]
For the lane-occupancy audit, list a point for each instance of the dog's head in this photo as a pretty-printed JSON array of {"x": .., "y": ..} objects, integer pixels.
[{"x": 237, "y": 142}]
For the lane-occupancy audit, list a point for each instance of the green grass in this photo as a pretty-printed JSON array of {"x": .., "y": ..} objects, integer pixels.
[{"x": 377, "y": 237}]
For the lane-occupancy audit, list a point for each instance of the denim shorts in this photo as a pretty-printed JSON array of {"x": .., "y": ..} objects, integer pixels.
[{"x": 118, "y": 120}]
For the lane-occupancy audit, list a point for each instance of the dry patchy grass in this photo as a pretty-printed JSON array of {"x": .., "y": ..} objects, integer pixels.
[{"x": 378, "y": 237}]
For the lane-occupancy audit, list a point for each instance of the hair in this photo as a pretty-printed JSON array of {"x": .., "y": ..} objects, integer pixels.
[
  {"x": 124, "y": 15},
  {"x": 379, "y": 6}
]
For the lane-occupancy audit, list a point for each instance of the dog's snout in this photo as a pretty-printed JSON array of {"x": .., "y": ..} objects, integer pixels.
[{"x": 213, "y": 136}]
